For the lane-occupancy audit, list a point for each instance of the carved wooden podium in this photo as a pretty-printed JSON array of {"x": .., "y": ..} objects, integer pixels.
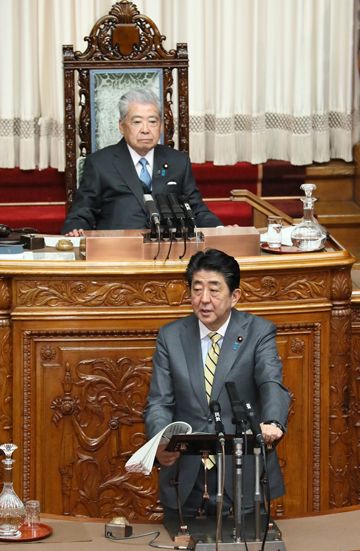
[{"x": 77, "y": 339}]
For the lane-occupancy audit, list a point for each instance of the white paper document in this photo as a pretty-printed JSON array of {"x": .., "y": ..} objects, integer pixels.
[{"x": 142, "y": 460}]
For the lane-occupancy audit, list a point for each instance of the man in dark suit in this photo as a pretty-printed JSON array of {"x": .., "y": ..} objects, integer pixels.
[
  {"x": 111, "y": 193},
  {"x": 248, "y": 357}
]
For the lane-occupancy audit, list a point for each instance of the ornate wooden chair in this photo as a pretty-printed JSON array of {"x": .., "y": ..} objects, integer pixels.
[{"x": 125, "y": 50}]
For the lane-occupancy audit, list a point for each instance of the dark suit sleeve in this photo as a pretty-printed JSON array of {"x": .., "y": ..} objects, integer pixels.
[
  {"x": 204, "y": 217},
  {"x": 86, "y": 206},
  {"x": 274, "y": 398},
  {"x": 159, "y": 410}
]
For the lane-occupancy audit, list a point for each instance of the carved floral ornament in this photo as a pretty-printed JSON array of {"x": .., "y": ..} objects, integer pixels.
[
  {"x": 286, "y": 287},
  {"x": 100, "y": 412},
  {"x": 341, "y": 285},
  {"x": 103, "y": 293},
  {"x": 5, "y": 300},
  {"x": 137, "y": 293}
]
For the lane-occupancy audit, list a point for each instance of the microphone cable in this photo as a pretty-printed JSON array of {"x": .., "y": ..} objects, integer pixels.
[
  {"x": 171, "y": 239},
  {"x": 167, "y": 217},
  {"x": 184, "y": 233},
  {"x": 158, "y": 231},
  {"x": 179, "y": 217}
]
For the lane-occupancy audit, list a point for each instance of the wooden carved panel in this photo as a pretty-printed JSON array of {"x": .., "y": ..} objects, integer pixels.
[
  {"x": 83, "y": 420},
  {"x": 299, "y": 452},
  {"x": 5, "y": 363},
  {"x": 128, "y": 293},
  {"x": 340, "y": 390},
  {"x": 139, "y": 292},
  {"x": 285, "y": 287},
  {"x": 84, "y": 394},
  {"x": 355, "y": 405},
  {"x": 5, "y": 382}
]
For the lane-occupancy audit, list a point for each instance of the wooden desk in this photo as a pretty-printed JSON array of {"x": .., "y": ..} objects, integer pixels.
[{"x": 77, "y": 340}]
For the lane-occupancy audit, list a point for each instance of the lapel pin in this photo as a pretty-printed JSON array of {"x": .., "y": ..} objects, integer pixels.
[
  {"x": 236, "y": 344},
  {"x": 165, "y": 166}
]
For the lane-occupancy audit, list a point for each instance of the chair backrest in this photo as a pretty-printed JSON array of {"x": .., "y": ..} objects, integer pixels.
[{"x": 125, "y": 50}]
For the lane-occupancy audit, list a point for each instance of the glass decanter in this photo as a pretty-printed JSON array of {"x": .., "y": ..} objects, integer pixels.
[
  {"x": 12, "y": 510},
  {"x": 308, "y": 235}
]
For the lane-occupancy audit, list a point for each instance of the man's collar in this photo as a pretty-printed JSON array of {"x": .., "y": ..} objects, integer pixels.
[
  {"x": 204, "y": 331},
  {"x": 136, "y": 157}
]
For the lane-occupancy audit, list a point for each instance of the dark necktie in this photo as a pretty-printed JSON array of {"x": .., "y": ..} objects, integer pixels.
[{"x": 144, "y": 174}]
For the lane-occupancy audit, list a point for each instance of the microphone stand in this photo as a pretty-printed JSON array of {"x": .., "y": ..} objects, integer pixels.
[
  {"x": 257, "y": 495},
  {"x": 240, "y": 422},
  {"x": 220, "y": 488},
  {"x": 238, "y": 443}
]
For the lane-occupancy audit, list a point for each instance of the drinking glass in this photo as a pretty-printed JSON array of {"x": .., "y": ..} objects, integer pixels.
[
  {"x": 32, "y": 512},
  {"x": 274, "y": 230}
]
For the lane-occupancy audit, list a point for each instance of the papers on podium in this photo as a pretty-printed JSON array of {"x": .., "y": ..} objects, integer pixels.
[{"x": 142, "y": 460}]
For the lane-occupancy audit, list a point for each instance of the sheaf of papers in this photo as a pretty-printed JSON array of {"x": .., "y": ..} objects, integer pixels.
[
  {"x": 12, "y": 256},
  {"x": 142, "y": 460},
  {"x": 51, "y": 240},
  {"x": 59, "y": 255}
]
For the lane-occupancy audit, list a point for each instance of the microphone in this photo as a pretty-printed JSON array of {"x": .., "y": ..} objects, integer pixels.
[
  {"x": 185, "y": 209},
  {"x": 165, "y": 211},
  {"x": 236, "y": 405},
  {"x": 190, "y": 216},
  {"x": 175, "y": 205},
  {"x": 152, "y": 210},
  {"x": 254, "y": 425},
  {"x": 219, "y": 427},
  {"x": 183, "y": 227},
  {"x": 177, "y": 211},
  {"x": 188, "y": 211}
]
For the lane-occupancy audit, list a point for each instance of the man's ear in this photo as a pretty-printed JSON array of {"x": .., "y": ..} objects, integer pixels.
[
  {"x": 236, "y": 295},
  {"x": 121, "y": 127}
]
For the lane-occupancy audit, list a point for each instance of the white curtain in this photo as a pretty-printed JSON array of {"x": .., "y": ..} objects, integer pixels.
[{"x": 268, "y": 78}]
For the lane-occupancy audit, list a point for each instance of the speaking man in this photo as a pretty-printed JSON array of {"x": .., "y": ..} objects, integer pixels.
[{"x": 182, "y": 388}]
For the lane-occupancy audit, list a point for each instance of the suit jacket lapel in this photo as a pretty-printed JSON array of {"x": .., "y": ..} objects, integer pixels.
[
  {"x": 190, "y": 340},
  {"x": 159, "y": 179},
  {"x": 125, "y": 166},
  {"x": 231, "y": 349}
]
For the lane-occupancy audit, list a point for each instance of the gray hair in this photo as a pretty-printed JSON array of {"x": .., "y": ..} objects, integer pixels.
[{"x": 139, "y": 95}]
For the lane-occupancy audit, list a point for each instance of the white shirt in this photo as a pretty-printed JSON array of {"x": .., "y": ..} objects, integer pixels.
[
  {"x": 205, "y": 339},
  {"x": 136, "y": 158}
]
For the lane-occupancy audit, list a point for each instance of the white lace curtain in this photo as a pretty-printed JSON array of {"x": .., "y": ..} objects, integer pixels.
[{"x": 268, "y": 78}]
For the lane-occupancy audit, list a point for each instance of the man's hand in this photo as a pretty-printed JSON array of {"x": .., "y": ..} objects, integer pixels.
[
  {"x": 166, "y": 458},
  {"x": 75, "y": 233},
  {"x": 271, "y": 433}
]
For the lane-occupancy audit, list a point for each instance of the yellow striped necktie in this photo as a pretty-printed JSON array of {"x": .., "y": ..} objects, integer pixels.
[
  {"x": 209, "y": 373},
  {"x": 210, "y": 362}
]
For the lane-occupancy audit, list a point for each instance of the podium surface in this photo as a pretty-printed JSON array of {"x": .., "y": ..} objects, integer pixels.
[{"x": 77, "y": 339}]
